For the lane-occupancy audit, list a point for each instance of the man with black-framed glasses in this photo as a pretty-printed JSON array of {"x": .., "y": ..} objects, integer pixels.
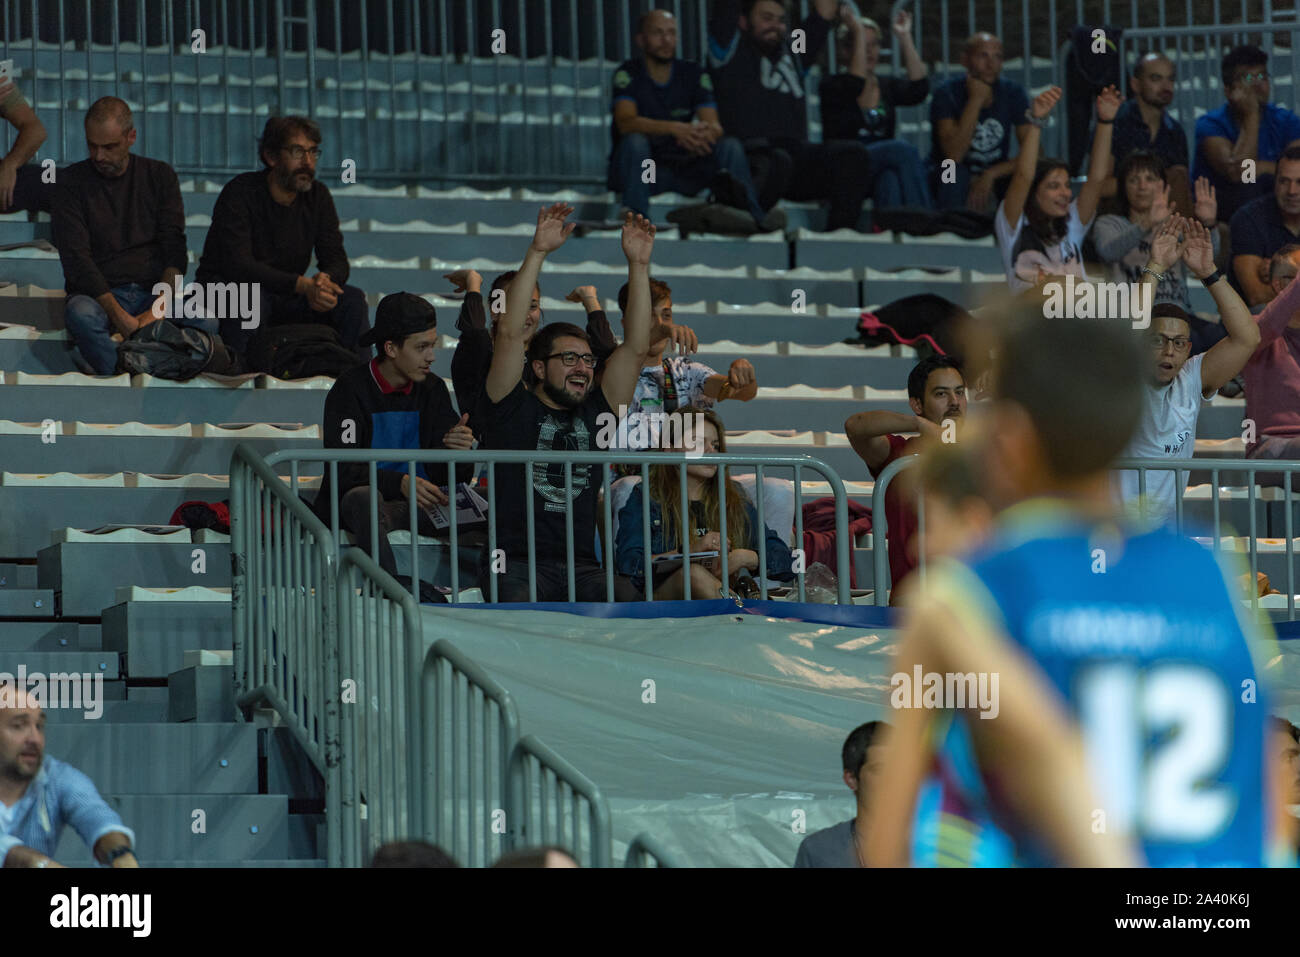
[
  {"x": 562, "y": 410},
  {"x": 1246, "y": 134},
  {"x": 265, "y": 227},
  {"x": 1178, "y": 381}
]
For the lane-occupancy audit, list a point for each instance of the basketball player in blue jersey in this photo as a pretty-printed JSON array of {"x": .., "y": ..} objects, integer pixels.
[{"x": 1129, "y": 725}]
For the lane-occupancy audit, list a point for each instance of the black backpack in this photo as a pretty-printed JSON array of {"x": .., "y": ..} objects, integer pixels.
[
  {"x": 168, "y": 351},
  {"x": 300, "y": 351}
]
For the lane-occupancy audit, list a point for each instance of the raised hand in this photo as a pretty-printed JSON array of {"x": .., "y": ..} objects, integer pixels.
[
  {"x": 552, "y": 230},
  {"x": 1205, "y": 206},
  {"x": 638, "y": 239},
  {"x": 1044, "y": 102},
  {"x": 902, "y": 25},
  {"x": 1160, "y": 208},
  {"x": 1166, "y": 244},
  {"x": 1108, "y": 103},
  {"x": 1198, "y": 249},
  {"x": 464, "y": 280},
  {"x": 582, "y": 294}
]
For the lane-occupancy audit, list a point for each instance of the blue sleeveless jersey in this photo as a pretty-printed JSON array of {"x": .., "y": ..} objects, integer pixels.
[{"x": 1145, "y": 640}]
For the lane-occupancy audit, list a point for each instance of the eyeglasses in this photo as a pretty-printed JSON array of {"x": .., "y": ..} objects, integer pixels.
[
  {"x": 297, "y": 152},
  {"x": 1160, "y": 340},
  {"x": 572, "y": 358},
  {"x": 1252, "y": 77}
]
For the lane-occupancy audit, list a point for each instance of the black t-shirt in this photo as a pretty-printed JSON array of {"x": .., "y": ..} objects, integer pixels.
[
  {"x": 688, "y": 89},
  {"x": 844, "y": 119},
  {"x": 761, "y": 96},
  {"x": 522, "y": 421}
]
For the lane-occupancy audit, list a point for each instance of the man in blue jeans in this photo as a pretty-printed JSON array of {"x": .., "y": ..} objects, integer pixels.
[
  {"x": 667, "y": 138},
  {"x": 119, "y": 225}
]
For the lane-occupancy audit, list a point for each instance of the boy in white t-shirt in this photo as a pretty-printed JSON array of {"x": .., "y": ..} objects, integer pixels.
[
  {"x": 1039, "y": 225},
  {"x": 1178, "y": 384}
]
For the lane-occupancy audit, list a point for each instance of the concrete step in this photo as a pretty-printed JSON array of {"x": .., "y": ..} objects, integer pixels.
[
  {"x": 157, "y": 455},
  {"x": 42, "y": 636},
  {"x": 154, "y": 636},
  {"x": 26, "y": 603},
  {"x": 161, "y": 758},
  {"x": 115, "y": 712},
  {"x": 104, "y": 664},
  {"x": 17, "y": 576},
  {"x": 88, "y": 574},
  {"x": 36, "y": 403},
  {"x": 245, "y": 827}
]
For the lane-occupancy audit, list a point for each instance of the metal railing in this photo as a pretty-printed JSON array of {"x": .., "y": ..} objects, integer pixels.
[
  {"x": 471, "y": 727},
  {"x": 1279, "y": 487},
  {"x": 462, "y": 91},
  {"x": 644, "y": 849},
  {"x": 797, "y": 464},
  {"x": 381, "y": 642},
  {"x": 558, "y": 805},
  {"x": 284, "y": 581},
  {"x": 1197, "y": 53}
]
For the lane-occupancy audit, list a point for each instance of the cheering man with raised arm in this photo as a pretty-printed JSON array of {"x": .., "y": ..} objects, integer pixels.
[{"x": 563, "y": 411}]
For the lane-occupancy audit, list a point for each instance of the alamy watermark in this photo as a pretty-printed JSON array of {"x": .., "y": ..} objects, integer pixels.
[
  {"x": 80, "y": 691},
  {"x": 211, "y": 300},
  {"x": 1099, "y": 300},
  {"x": 954, "y": 691},
  {"x": 651, "y": 430}
]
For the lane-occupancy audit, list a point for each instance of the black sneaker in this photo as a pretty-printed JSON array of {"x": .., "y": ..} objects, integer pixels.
[
  {"x": 712, "y": 218},
  {"x": 728, "y": 191}
]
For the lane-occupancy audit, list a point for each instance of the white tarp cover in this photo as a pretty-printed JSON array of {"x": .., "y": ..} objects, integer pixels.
[{"x": 745, "y": 728}]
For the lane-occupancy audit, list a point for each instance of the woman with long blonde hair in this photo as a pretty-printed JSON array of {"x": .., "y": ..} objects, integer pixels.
[{"x": 703, "y": 522}]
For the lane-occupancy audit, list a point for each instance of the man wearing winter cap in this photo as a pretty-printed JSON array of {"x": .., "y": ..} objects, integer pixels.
[{"x": 392, "y": 402}]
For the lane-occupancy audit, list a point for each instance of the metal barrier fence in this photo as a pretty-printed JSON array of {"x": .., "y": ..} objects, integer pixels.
[
  {"x": 1211, "y": 523},
  {"x": 463, "y": 91},
  {"x": 559, "y": 805},
  {"x": 471, "y": 727},
  {"x": 426, "y": 743},
  {"x": 566, "y": 461},
  {"x": 381, "y": 642},
  {"x": 284, "y": 581},
  {"x": 645, "y": 849}
]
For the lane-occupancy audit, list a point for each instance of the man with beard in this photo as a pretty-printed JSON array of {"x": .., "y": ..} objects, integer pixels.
[
  {"x": 664, "y": 110},
  {"x": 1265, "y": 225},
  {"x": 265, "y": 226},
  {"x": 40, "y": 794},
  {"x": 758, "y": 72},
  {"x": 119, "y": 226},
  {"x": 1144, "y": 123},
  {"x": 562, "y": 411},
  {"x": 936, "y": 391}
]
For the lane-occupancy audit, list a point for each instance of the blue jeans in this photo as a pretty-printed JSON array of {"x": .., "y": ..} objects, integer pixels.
[
  {"x": 898, "y": 175},
  {"x": 92, "y": 331},
  {"x": 953, "y": 195},
  {"x": 628, "y": 163}
]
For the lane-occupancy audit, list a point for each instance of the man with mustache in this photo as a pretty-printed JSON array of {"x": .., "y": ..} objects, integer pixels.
[
  {"x": 265, "y": 227},
  {"x": 119, "y": 225},
  {"x": 562, "y": 410},
  {"x": 1143, "y": 123}
]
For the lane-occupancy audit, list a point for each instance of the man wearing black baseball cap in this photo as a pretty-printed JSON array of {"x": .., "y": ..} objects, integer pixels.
[{"x": 392, "y": 402}]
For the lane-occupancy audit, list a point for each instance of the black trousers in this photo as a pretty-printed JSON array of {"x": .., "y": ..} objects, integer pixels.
[
  {"x": 838, "y": 171},
  {"x": 552, "y": 581}
]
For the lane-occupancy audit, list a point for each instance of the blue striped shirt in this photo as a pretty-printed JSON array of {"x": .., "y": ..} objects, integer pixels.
[{"x": 58, "y": 795}]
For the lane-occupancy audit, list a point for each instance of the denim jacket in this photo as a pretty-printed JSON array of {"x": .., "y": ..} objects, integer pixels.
[{"x": 629, "y": 549}]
